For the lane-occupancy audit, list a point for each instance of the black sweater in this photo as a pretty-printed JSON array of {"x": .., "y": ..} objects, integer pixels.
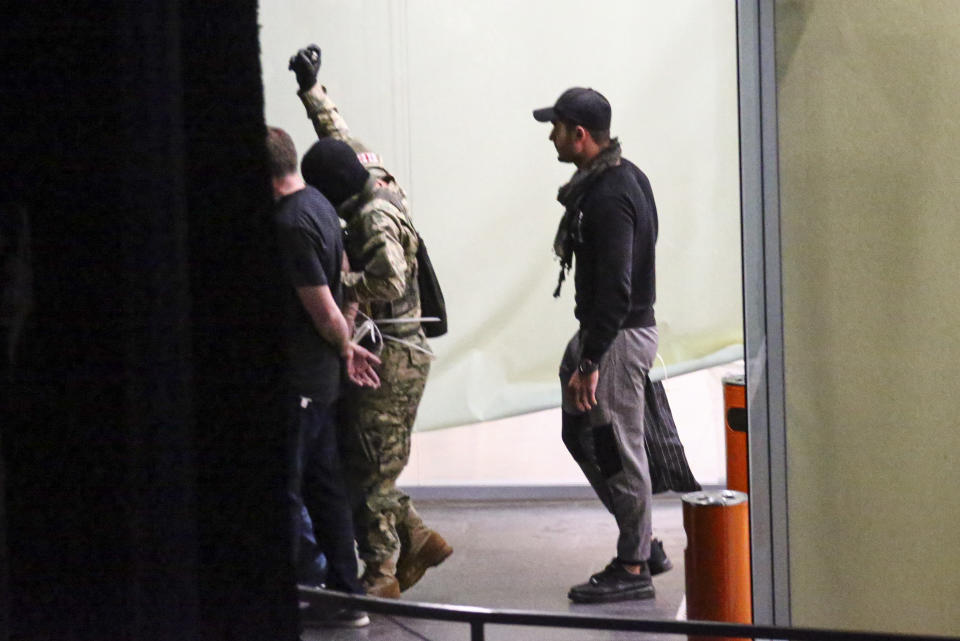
[{"x": 615, "y": 266}]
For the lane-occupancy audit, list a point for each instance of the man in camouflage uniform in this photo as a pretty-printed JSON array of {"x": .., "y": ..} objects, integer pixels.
[{"x": 381, "y": 244}]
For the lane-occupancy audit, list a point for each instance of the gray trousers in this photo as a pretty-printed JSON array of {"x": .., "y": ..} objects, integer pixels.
[{"x": 607, "y": 441}]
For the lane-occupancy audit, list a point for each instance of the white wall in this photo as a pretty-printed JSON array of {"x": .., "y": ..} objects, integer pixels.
[{"x": 444, "y": 89}]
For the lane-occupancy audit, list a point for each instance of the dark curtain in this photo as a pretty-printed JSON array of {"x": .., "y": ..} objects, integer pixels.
[{"x": 141, "y": 431}]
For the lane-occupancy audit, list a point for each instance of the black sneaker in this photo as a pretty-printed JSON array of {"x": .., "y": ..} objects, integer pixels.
[
  {"x": 314, "y": 617},
  {"x": 615, "y": 583},
  {"x": 658, "y": 561}
]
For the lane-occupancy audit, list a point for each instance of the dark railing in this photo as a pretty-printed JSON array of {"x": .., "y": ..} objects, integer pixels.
[{"x": 477, "y": 618}]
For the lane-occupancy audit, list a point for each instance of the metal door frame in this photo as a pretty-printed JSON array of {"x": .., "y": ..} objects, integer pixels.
[{"x": 763, "y": 311}]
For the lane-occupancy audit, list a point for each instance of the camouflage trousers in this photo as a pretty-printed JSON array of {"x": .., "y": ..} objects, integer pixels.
[{"x": 377, "y": 425}]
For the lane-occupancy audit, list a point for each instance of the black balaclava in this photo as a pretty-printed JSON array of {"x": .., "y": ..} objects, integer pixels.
[{"x": 333, "y": 167}]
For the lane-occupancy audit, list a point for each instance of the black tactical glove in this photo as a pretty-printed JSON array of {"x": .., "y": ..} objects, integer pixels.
[{"x": 306, "y": 64}]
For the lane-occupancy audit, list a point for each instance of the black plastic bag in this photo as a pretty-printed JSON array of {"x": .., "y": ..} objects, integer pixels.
[{"x": 665, "y": 455}]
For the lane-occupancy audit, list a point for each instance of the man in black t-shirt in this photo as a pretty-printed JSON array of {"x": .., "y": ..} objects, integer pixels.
[{"x": 317, "y": 340}]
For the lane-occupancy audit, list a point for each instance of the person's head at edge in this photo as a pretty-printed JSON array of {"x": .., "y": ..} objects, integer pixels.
[
  {"x": 282, "y": 162},
  {"x": 332, "y": 167},
  {"x": 581, "y": 124}
]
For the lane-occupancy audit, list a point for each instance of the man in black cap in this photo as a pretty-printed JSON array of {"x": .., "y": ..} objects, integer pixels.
[{"x": 610, "y": 226}]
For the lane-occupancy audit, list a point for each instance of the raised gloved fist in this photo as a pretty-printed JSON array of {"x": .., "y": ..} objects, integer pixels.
[{"x": 306, "y": 64}]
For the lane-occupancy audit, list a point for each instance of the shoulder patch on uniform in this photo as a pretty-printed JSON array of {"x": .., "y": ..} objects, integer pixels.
[{"x": 368, "y": 158}]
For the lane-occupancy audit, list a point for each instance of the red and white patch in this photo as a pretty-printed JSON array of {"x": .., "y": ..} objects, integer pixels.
[{"x": 368, "y": 158}]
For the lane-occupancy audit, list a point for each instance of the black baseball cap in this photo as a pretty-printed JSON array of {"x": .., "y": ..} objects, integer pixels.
[{"x": 579, "y": 105}]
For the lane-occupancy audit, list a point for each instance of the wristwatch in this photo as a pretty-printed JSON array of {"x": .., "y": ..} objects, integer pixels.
[{"x": 587, "y": 366}]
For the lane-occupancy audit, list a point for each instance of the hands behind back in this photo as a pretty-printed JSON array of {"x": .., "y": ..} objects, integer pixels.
[{"x": 360, "y": 366}]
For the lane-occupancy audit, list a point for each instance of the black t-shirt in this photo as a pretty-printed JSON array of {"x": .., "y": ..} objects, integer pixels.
[{"x": 311, "y": 246}]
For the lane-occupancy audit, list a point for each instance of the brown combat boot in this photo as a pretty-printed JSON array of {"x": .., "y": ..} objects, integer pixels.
[
  {"x": 380, "y": 580},
  {"x": 420, "y": 548}
]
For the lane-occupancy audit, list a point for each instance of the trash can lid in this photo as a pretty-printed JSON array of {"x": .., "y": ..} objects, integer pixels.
[
  {"x": 734, "y": 379},
  {"x": 715, "y": 497}
]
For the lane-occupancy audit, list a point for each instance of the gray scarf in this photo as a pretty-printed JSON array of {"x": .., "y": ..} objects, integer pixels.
[{"x": 569, "y": 233}]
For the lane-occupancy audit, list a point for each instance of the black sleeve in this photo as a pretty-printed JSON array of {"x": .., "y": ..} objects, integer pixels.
[
  {"x": 300, "y": 251},
  {"x": 608, "y": 233}
]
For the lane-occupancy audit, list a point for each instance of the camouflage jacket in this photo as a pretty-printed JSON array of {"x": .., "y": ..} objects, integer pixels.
[
  {"x": 382, "y": 244},
  {"x": 381, "y": 241},
  {"x": 328, "y": 123}
]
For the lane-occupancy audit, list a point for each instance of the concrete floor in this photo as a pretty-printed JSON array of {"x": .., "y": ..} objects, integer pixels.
[{"x": 525, "y": 556}]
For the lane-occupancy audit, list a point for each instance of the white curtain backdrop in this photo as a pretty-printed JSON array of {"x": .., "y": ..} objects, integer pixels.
[{"x": 443, "y": 90}]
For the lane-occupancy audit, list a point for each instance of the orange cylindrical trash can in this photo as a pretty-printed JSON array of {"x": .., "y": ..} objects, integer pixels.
[
  {"x": 717, "y": 558},
  {"x": 735, "y": 430}
]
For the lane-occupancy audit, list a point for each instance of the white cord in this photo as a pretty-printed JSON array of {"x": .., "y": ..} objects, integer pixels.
[
  {"x": 664, "y": 365},
  {"x": 413, "y": 319},
  {"x": 369, "y": 326},
  {"x": 365, "y": 328},
  {"x": 409, "y": 344}
]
